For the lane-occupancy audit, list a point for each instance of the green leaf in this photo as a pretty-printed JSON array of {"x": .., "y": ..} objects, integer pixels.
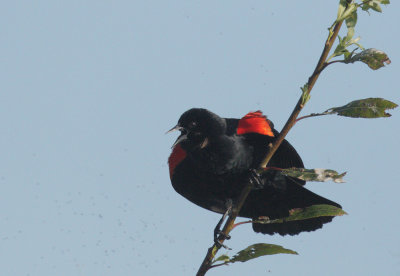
[
  {"x": 348, "y": 40},
  {"x": 347, "y": 56},
  {"x": 258, "y": 250},
  {"x": 223, "y": 258},
  {"x": 319, "y": 175},
  {"x": 345, "y": 10},
  {"x": 351, "y": 9},
  {"x": 305, "y": 96},
  {"x": 374, "y": 4},
  {"x": 351, "y": 22},
  {"x": 314, "y": 211},
  {"x": 342, "y": 8},
  {"x": 366, "y": 108},
  {"x": 340, "y": 50},
  {"x": 254, "y": 251},
  {"x": 374, "y": 58}
]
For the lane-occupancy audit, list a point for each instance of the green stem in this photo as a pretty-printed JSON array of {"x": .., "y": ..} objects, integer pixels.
[
  {"x": 311, "y": 115},
  {"x": 311, "y": 82}
]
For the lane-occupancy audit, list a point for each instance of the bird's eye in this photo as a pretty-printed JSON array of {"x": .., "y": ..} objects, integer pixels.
[{"x": 192, "y": 125}]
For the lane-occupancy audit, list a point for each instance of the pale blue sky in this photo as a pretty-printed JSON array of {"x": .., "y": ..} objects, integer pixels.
[{"x": 88, "y": 89}]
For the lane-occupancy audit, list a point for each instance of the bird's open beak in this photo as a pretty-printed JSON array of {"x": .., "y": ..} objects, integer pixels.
[
  {"x": 181, "y": 137},
  {"x": 177, "y": 127}
]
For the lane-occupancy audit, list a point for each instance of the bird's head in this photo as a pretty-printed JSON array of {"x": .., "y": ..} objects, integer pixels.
[{"x": 197, "y": 127}]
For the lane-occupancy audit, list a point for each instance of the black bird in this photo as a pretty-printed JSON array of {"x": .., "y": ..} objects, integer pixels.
[{"x": 214, "y": 158}]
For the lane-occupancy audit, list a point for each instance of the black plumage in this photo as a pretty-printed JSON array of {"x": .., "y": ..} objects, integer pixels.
[{"x": 211, "y": 162}]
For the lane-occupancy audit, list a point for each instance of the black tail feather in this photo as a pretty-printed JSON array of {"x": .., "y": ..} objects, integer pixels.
[
  {"x": 291, "y": 227},
  {"x": 276, "y": 200}
]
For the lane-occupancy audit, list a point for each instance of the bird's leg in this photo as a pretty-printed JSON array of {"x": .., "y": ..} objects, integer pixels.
[
  {"x": 217, "y": 230},
  {"x": 255, "y": 179}
]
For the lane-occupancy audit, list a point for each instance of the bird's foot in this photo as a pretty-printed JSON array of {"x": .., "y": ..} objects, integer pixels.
[
  {"x": 221, "y": 235},
  {"x": 218, "y": 234},
  {"x": 255, "y": 179}
]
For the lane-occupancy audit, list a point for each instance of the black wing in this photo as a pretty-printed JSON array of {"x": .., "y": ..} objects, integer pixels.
[{"x": 285, "y": 157}]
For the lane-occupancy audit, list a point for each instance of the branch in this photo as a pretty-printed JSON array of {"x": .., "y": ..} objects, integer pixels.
[
  {"x": 311, "y": 82},
  {"x": 207, "y": 262},
  {"x": 212, "y": 251},
  {"x": 311, "y": 115},
  {"x": 326, "y": 64}
]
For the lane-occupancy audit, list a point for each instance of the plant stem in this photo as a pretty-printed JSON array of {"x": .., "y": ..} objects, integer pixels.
[
  {"x": 205, "y": 266},
  {"x": 212, "y": 251},
  {"x": 311, "y": 82},
  {"x": 326, "y": 64},
  {"x": 311, "y": 115}
]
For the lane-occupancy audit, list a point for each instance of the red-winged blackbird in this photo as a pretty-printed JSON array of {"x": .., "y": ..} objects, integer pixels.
[{"x": 213, "y": 157}]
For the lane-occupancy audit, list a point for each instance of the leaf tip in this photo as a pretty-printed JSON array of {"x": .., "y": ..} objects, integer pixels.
[{"x": 342, "y": 213}]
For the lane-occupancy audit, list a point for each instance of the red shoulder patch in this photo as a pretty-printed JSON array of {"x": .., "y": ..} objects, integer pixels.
[
  {"x": 254, "y": 122},
  {"x": 177, "y": 155}
]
